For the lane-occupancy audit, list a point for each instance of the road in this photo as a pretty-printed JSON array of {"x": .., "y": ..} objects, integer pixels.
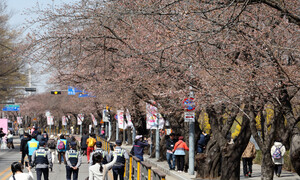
[{"x": 59, "y": 171}]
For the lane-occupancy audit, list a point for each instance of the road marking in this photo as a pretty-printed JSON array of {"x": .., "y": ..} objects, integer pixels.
[
  {"x": 4, "y": 171},
  {"x": 7, "y": 176}
]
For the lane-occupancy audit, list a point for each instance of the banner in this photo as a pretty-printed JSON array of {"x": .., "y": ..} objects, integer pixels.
[
  {"x": 4, "y": 124},
  {"x": 151, "y": 117},
  {"x": 64, "y": 120},
  {"x": 50, "y": 120},
  {"x": 80, "y": 118},
  {"x": 128, "y": 118},
  {"x": 94, "y": 119},
  {"x": 121, "y": 122},
  {"x": 19, "y": 120}
]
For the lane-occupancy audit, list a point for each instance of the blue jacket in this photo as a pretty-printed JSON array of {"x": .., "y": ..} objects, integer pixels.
[
  {"x": 32, "y": 146},
  {"x": 139, "y": 148},
  {"x": 65, "y": 142}
]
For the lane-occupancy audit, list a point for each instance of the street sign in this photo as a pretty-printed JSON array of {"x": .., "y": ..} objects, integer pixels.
[
  {"x": 30, "y": 89},
  {"x": 11, "y": 107},
  {"x": 189, "y": 104},
  {"x": 80, "y": 118},
  {"x": 71, "y": 90},
  {"x": 189, "y": 117},
  {"x": 50, "y": 120}
]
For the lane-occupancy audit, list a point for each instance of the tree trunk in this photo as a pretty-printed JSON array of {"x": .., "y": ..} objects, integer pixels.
[
  {"x": 295, "y": 153},
  {"x": 267, "y": 166},
  {"x": 208, "y": 165}
]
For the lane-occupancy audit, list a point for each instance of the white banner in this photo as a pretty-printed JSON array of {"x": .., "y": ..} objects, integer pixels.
[
  {"x": 121, "y": 122},
  {"x": 151, "y": 117},
  {"x": 64, "y": 120},
  {"x": 94, "y": 119},
  {"x": 19, "y": 120},
  {"x": 104, "y": 117},
  {"x": 80, "y": 118},
  {"x": 50, "y": 120},
  {"x": 128, "y": 117}
]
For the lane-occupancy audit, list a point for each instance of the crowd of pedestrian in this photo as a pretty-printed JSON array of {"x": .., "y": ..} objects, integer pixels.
[{"x": 42, "y": 151}]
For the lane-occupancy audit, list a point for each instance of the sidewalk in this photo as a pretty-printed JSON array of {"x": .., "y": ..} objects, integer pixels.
[{"x": 164, "y": 167}]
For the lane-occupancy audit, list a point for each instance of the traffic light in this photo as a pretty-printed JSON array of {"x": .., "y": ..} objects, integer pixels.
[{"x": 55, "y": 92}]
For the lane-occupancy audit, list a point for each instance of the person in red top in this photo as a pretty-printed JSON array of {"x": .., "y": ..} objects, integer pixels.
[{"x": 179, "y": 151}]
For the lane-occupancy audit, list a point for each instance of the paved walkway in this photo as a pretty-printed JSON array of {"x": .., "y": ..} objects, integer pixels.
[{"x": 164, "y": 167}]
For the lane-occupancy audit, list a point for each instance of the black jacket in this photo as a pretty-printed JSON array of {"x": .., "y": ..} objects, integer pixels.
[
  {"x": 24, "y": 144},
  {"x": 170, "y": 144},
  {"x": 83, "y": 141}
]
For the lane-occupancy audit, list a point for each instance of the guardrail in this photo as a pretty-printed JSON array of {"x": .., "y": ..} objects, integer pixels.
[{"x": 135, "y": 169}]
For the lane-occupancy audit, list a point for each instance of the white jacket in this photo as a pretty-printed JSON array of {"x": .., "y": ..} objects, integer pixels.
[
  {"x": 282, "y": 150},
  {"x": 95, "y": 174}
]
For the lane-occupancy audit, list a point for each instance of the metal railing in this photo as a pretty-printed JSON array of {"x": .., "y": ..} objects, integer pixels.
[{"x": 135, "y": 169}]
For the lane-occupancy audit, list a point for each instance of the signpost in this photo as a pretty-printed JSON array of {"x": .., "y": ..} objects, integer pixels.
[
  {"x": 189, "y": 117},
  {"x": 11, "y": 107}
]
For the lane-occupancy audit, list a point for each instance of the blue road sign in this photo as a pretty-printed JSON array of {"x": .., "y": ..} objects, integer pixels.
[
  {"x": 71, "y": 90},
  {"x": 11, "y": 108},
  {"x": 85, "y": 95}
]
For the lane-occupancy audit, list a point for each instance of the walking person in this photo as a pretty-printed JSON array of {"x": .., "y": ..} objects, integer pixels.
[
  {"x": 98, "y": 171},
  {"x": 21, "y": 132},
  {"x": 10, "y": 140},
  {"x": 179, "y": 151},
  {"x": 170, "y": 156},
  {"x": 24, "y": 147},
  {"x": 277, "y": 152},
  {"x": 2, "y": 134},
  {"x": 32, "y": 145},
  {"x": 119, "y": 167},
  {"x": 61, "y": 148},
  {"x": 83, "y": 143},
  {"x": 16, "y": 169},
  {"x": 42, "y": 160},
  {"x": 73, "y": 158},
  {"x": 138, "y": 147},
  {"x": 248, "y": 156},
  {"x": 52, "y": 148},
  {"x": 91, "y": 141},
  {"x": 106, "y": 157},
  {"x": 73, "y": 140}
]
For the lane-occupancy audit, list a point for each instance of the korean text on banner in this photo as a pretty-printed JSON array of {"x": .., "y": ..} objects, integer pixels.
[
  {"x": 19, "y": 120},
  {"x": 4, "y": 124},
  {"x": 80, "y": 118},
  {"x": 50, "y": 120},
  {"x": 94, "y": 119},
  {"x": 151, "y": 115},
  {"x": 121, "y": 122},
  {"x": 64, "y": 120},
  {"x": 128, "y": 118}
]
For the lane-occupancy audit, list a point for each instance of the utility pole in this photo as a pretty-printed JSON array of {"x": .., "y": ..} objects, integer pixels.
[
  {"x": 191, "y": 134},
  {"x": 117, "y": 130}
]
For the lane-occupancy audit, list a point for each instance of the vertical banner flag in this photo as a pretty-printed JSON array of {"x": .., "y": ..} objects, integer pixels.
[
  {"x": 121, "y": 122},
  {"x": 50, "y": 120},
  {"x": 80, "y": 118},
  {"x": 19, "y": 120},
  {"x": 128, "y": 117},
  {"x": 64, "y": 120},
  {"x": 94, "y": 119},
  {"x": 4, "y": 124},
  {"x": 151, "y": 115}
]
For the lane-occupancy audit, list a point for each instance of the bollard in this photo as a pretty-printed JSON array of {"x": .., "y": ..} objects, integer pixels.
[{"x": 130, "y": 166}]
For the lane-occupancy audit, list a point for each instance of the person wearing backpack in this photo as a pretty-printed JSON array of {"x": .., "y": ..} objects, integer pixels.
[
  {"x": 277, "y": 152},
  {"x": 61, "y": 148},
  {"x": 52, "y": 147},
  {"x": 91, "y": 141},
  {"x": 247, "y": 157},
  {"x": 32, "y": 145}
]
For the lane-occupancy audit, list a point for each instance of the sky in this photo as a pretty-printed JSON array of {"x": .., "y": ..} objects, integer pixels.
[{"x": 16, "y": 9}]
